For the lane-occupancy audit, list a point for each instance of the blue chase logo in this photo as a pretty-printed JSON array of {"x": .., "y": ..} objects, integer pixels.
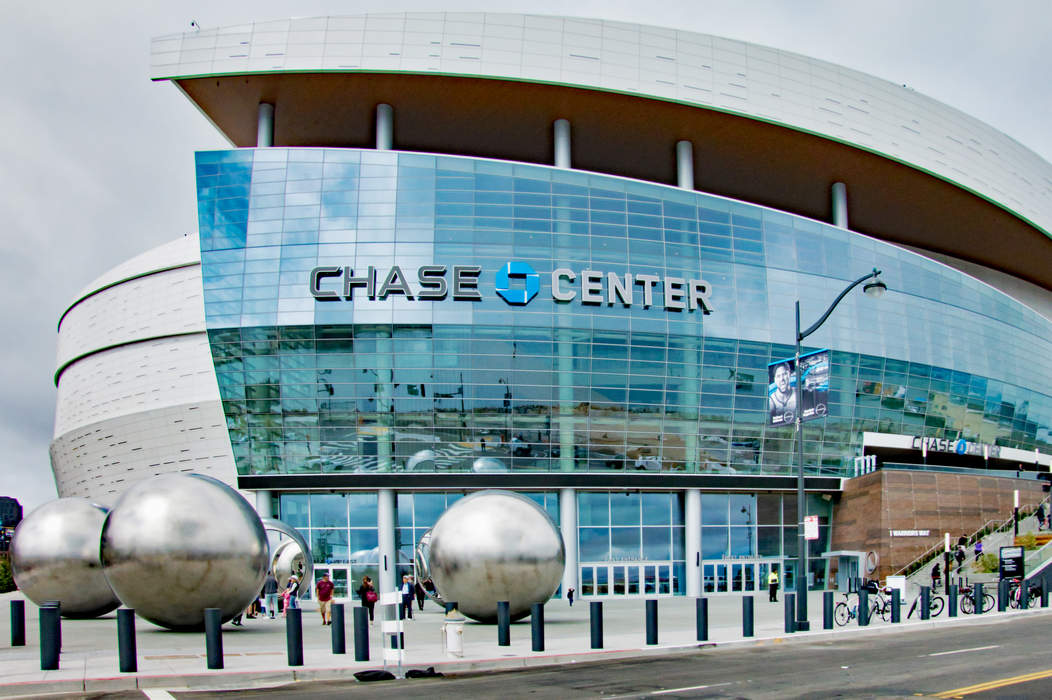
[{"x": 517, "y": 270}]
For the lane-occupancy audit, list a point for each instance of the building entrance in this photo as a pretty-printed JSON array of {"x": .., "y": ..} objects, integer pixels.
[
  {"x": 738, "y": 575},
  {"x": 340, "y": 575},
  {"x": 626, "y": 579}
]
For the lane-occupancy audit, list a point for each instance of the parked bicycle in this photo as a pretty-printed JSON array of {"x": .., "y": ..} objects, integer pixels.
[
  {"x": 967, "y": 601},
  {"x": 1015, "y": 588},
  {"x": 846, "y": 610},
  {"x": 935, "y": 606}
]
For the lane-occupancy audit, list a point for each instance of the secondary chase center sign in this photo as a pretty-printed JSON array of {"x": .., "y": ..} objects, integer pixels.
[{"x": 517, "y": 283}]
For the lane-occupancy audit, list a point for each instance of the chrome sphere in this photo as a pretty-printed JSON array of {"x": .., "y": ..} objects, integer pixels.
[
  {"x": 290, "y": 555},
  {"x": 55, "y": 556},
  {"x": 493, "y": 546},
  {"x": 488, "y": 464},
  {"x": 176, "y": 544}
]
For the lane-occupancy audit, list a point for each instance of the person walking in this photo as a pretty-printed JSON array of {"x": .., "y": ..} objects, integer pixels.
[
  {"x": 291, "y": 592},
  {"x": 772, "y": 586},
  {"x": 418, "y": 589},
  {"x": 936, "y": 573},
  {"x": 407, "y": 596},
  {"x": 978, "y": 549},
  {"x": 323, "y": 590},
  {"x": 367, "y": 594},
  {"x": 569, "y": 596},
  {"x": 1041, "y": 516},
  {"x": 270, "y": 595}
]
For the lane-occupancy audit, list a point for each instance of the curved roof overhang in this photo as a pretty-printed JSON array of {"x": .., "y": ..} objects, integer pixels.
[{"x": 629, "y": 135}]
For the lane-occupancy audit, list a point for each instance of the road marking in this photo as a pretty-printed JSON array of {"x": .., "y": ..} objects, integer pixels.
[
  {"x": 157, "y": 694},
  {"x": 693, "y": 687},
  {"x": 991, "y": 685},
  {"x": 964, "y": 651}
]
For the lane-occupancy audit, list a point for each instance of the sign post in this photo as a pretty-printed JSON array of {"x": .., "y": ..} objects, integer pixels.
[{"x": 1012, "y": 563}]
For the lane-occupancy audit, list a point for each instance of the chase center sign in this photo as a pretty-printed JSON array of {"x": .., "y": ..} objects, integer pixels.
[{"x": 516, "y": 283}]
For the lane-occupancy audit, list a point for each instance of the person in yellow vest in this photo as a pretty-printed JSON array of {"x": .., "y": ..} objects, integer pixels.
[{"x": 772, "y": 586}]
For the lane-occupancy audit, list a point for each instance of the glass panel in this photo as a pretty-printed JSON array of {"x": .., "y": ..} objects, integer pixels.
[
  {"x": 721, "y": 578},
  {"x": 294, "y": 510},
  {"x": 713, "y": 542},
  {"x": 657, "y": 508},
  {"x": 742, "y": 542},
  {"x": 362, "y": 509},
  {"x": 743, "y": 508},
  {"x": 595, "y": 543},
  {"x": 328, "y": 509},
  {"x": 750, "y": 580},
  {"x": 633, "y": 580},
  {"x": 709, "y": 577},
  {"x": 619, "y": 587},
  {"x": 587, "y": 580},
  {"x": 624, "y": 509},
  {"x": 656, "y": 542},
  {"x": 649, "y": 579},
  {"x": 714, "y": 508},
  {"x": 736, "y": 578},
  {"x": 664, "y": 580},
  {"x": 329, "y": 546},
  {"x": 339, "y": 580},
  {"x": 601, "y": 580},
  {"x": 593, "y": 509},
  {"x": 624, "y": 543}
]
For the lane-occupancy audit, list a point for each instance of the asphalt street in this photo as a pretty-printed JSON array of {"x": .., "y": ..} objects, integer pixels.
[{"x": 1000, "y": 659}]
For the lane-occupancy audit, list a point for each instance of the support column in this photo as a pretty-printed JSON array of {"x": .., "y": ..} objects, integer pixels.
[
  {"x": 839, "y": 193},
  {"x": 562, "y": 143},
  {"x": 568, "y": 527},
  {"x": 264, "y": 504},
  {"x": 385, "y": 524},
  {"x": 265, "y": 126},
  {"x": 692, "y": 540},
  {"x": 685, "y": 165},
  {"x": 384, "y": 127}
]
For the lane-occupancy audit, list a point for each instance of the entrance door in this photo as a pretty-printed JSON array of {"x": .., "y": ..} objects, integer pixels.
[
  {"x": 741, "y": 576},
  {"x": 626, "y": 579},
  {"x": 338, "y": 574}
]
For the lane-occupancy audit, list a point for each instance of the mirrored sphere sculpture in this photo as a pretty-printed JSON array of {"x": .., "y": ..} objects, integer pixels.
[
  {"x": 493, "y": 546},
  {"x": 55, "y": 556},
  {"x": 422, "y": 563},
  {"x": 176, "y": 544},
  {"x": 290, "y": 556},
  {"x": 488, "y": 464}
]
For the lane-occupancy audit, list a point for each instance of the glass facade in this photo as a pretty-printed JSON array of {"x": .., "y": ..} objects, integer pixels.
[{"x": 371, "y": 384}]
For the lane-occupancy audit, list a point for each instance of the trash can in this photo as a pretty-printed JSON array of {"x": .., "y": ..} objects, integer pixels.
[{"x": 453, "y": 637}]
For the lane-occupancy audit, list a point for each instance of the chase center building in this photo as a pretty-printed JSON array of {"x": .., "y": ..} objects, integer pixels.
[{"x": 449, "y": 252}]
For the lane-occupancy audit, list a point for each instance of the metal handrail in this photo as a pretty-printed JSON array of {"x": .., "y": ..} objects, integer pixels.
[{"x": 919, "y": 562}]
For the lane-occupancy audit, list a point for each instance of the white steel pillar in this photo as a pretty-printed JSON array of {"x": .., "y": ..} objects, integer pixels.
[
  {"x": 685, "y": 165},
  {"x": 385, "y": 524},
  {"x": 692, "y": 541},
  {"x": 265, "y": 126},
  {"x": 561, "y": 129},
  {"x": 264, "y": 505},
  {"x": 839, "y": 193},
  {"x": 384, "y": 127},
  {"x": 568, "y": 527}
]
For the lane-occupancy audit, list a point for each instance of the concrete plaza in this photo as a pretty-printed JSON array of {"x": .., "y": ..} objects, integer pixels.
[{"x": 255, "y": 653}]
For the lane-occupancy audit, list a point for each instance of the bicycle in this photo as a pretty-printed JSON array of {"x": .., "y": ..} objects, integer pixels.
[
  {"x": 1015, "y": 587},
  {"x": 967, "y": 601},
  {"x": 844, "y": 613},
  {"x": 935, "y": 606}
]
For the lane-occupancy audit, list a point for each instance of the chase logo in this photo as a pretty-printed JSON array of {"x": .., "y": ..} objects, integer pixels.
[{"x": 517, "y": 270}]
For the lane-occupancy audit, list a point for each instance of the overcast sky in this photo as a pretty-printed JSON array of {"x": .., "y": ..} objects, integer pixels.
[{"x": 96, "y": 161}]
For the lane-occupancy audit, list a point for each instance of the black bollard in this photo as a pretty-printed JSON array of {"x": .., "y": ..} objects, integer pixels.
[
  {"x": 503, "y": 624},
  {"x": 951, "y": 601},
  {"x": 57, "y": 604},
  {"x": 18, "y": 623},
  {"x": 701, "y": 618},
  {"x": 214, "y": 638},
  {"x": 294, "y": 635},
  {"x": 595, "y": 614},
  {"x": 747, "y": 616},
  {"x": 126, "y": 656},
  {"x": 896, "y": 605},
  {"x": 827, "y": 610},
  {"x": 925, "y": 603},
  {"x": 361, "y": 634},
  {"x": 50, "y": 639},
  {"x": 1024, "y": 595},
  {"x": 1002, "y": 595},
  {"x": 790, "y": 612},
  {"x": 339, "y": 630},
  {"x": 537, "y": 626},
  {"x": 652, "y": 621},
  {"x": 1044, "y": 591},
  {"x": 863, "y": 607},
  {"x": 977, "y": 598}
]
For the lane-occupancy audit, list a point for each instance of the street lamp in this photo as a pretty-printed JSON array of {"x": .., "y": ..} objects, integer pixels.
[{"x": 874, "y": 288}]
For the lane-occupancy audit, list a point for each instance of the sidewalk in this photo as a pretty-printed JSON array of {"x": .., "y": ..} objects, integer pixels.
[{"x": 255, "y": 654}]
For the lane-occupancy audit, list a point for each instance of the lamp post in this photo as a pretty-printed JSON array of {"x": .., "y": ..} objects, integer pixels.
[{"x": 874, "y": 288}]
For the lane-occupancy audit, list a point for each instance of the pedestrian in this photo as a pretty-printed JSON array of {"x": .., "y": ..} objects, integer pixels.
[
  {"x": 323, "y": 590},
  {"x": 367, "y": 594},
  {"x": 936, "y": 572},
  {"x": 569, "y": 596},
  {"x": 418, "y": 589},
  {"x": 772, "y": 586},
  {"x": 962, "y": 541},
  {"x": 1041, "y": 516},
  {"x": 959, "y": 556},
  {"x": 270, "y": 595},
  {"x": 290, "y": 595},
  {"x": 407, "y": 596}
]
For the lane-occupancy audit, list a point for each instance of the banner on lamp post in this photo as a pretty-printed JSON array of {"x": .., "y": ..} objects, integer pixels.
[{"x": 781, "y": 385}]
